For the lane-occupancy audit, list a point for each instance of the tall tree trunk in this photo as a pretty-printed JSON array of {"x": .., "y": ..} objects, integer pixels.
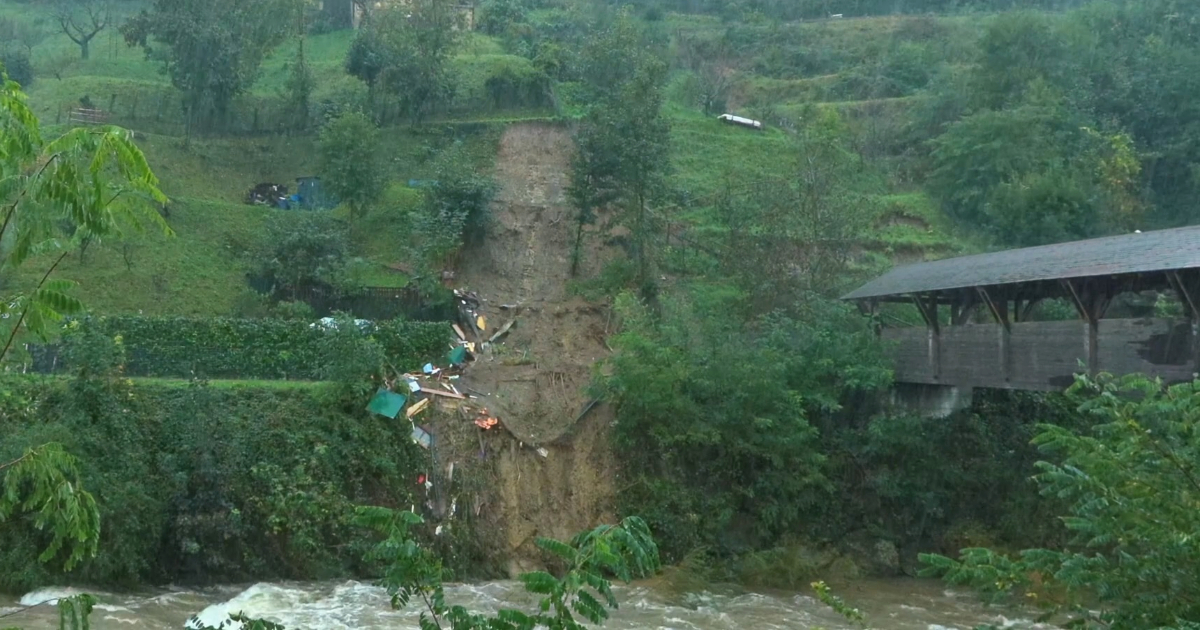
[{"x": 85, "y": 48}]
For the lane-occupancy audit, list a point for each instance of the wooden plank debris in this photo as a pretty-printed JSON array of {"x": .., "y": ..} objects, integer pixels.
[
  {"x": 503, "y": 330},
  {"x": 459, "y": 331},
  {"x": 417, "y": 408},
  {"x": 442, "y": 392}
]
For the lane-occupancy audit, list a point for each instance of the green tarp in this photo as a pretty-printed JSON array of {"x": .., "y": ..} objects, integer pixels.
[
  {"x": 386, "y": 403},
  {"x": 457, "y": 355}
]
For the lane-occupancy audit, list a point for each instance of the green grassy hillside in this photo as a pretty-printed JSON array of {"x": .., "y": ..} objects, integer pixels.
[{"x": 779, "y": 69}]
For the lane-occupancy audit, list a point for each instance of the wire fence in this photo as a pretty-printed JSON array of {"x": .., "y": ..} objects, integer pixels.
[
  {"x": 378, "y": 303},
  {"x": 160, "y": 110}
]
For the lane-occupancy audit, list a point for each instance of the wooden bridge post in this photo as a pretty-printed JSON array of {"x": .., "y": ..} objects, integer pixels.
[
  {"x": 1091, "y": 302},
  {"x": 1186, "y": 284},
  {"x": 999, "y": 311},
  {"x": 928, "y": 306}
]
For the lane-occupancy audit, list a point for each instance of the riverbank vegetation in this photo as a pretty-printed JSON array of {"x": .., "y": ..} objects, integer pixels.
[
  {"x": 748, "y": 422},
  {"x": 200, "y": 483}
]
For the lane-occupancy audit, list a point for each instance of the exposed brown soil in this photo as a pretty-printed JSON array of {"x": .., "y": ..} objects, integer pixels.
[{"x": 536, "y": 378}]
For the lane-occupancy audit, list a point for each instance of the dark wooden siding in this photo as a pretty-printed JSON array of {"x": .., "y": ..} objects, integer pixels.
[
  {"x": 1041, "y": 355},
  {"x": 1047, "y": 355},
  {"x": 1156, "y": 346}
]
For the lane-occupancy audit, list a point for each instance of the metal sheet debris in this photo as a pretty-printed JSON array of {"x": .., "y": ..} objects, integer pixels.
[
  {"x": 422, "y": 438},
  {"x": 386, "y": 403}
]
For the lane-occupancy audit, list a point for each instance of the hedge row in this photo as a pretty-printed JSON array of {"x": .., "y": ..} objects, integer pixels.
[{"x": 179, "y": 347}]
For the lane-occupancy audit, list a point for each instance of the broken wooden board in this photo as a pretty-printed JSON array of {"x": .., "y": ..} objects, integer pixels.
[
  {"x": 442, "y": 392},
  {"x": 417, "y": 408},
  {"x": 500, "y": 333},
  {"x": 459, "y": 331}
]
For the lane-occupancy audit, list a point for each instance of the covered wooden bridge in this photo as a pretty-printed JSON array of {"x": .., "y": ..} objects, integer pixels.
[{"x": 977, "y": 312}]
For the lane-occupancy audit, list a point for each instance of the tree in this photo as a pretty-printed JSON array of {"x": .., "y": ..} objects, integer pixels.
[
  {"x": 1133, "y": 495},
  {"x": 302, "y": 251},
  {"x": 497, "y": 17},
  {"x": 212, "y": 49},
  {"x": 708, "y": 59},
  {"x": 624, "y": 139},
  {"x": 793, "y": 234},
  {"x": 338, "y": 14},
  {"x": 350, "y": 164},
  {"x": 455, "y": 210},
  {"x": 404, "y": 50},
  {"x": 299, "y": 87},
  {"x": 1036, "y": 173},
  {"x": 16, "y": 63},
  {"x": 703, "y": 456},
  {"x": 29, "y": 35},
  {"x": 82, "y": 20},
  {"x": 88, "y": 183}
]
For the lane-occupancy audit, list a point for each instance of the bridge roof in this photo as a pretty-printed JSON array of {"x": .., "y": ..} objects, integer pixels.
[{"x": 1159, "y": 250}]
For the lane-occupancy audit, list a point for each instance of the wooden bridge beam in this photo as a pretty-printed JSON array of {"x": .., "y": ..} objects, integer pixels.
[{"x": 963, "y": 307}]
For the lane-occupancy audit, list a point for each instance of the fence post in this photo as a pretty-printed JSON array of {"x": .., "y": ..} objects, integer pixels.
[
  {"x": 162, "y": 98},
  {"x": 112, "y": 103},
  {"x": 133, "y": 108},
  {"x": 255, "y": 127}
]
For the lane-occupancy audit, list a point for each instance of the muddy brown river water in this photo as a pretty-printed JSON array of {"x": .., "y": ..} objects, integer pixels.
[{"x": 899, "y": 604}]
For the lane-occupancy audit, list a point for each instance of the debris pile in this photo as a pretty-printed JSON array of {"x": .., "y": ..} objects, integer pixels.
[
  {"x": 415, "y": 392},
  {"x": 268, "y": 194}
]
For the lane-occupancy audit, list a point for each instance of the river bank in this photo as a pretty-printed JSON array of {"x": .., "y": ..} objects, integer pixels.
[{"x": 892, "y": 604}]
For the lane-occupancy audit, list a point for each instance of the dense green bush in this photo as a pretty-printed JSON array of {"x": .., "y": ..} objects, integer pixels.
[
  {"x": 247, "y": 348},
  {"x": 942, "y": 483},
  {"x": 717, "y": 420},
  {"x": 201, "y": 483},
  {"x": 497, "y": 82},
  {"x": 16, "y": 64}
]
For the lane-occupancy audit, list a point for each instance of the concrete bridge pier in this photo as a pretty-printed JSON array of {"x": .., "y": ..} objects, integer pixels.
[{"x": 931, "y": 401}]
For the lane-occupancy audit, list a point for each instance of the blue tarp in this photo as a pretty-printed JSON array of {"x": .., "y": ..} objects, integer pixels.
[{"x": 311, "y": 196}]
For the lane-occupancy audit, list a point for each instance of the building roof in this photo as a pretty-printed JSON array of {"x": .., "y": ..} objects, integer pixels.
[{"x": 1159, "y": 250}]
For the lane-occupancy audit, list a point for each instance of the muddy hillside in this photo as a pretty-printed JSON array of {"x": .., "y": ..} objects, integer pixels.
[{"x": 550, "y": 469}]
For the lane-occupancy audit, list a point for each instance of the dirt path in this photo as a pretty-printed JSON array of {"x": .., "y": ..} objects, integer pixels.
[{"x": 537, "y": 379}]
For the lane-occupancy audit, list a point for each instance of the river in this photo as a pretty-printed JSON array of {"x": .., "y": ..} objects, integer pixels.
[{"x": 899, "y": 604}]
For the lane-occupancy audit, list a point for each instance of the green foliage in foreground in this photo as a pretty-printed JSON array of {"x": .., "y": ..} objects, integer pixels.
[
  {"x": 44, "y": 482},
  {"x": 55, "y": 195},
  {"x": 412, "y": 573},
  {"x": 1133, "y": 493},
  {"x": 199, "y": 483},
  {"x": 250, "y": 348}
]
